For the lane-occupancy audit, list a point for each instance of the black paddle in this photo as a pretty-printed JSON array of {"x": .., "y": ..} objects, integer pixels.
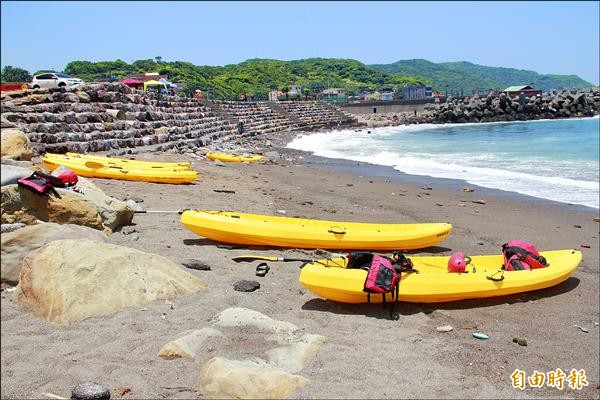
[{"x": 269, "y": 258}]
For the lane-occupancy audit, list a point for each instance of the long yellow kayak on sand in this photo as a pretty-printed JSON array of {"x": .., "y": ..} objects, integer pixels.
[
  {"x": 96, "y": 169},
  {"x": 225, "y": 157},
  {"x": 123, "y": 162},
  {"x": 331, "y": 280},
  {"x": 264, "y": 230}
]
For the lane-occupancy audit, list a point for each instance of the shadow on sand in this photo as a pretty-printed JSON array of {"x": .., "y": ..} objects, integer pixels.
[
  {"x": 377, "y": 310},
  {"x": 222, "y": 245}
]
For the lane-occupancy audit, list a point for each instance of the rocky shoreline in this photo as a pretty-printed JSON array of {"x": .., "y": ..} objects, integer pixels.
[
  {"x": 116, "y": 118},
  {"x": 555, "y": 105}
]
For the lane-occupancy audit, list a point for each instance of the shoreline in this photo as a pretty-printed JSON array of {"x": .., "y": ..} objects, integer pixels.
[
  {"x": 359, "y": 168},
  {"x": 389, "y": 172}
]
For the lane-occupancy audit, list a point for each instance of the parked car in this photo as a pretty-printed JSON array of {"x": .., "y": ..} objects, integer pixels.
[{"x": 53, "y": 80}]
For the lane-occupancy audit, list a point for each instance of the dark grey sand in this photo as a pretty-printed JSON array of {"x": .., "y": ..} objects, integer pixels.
[{"x": 366, "y": 355}]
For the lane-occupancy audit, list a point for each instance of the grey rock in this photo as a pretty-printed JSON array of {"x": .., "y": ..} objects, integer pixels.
[
  {"x": 6, "y": 228},
  {"x": 196, "y": 264},
  {"x": 246, "y": 286},
  {"x": 90, "y": 391}
]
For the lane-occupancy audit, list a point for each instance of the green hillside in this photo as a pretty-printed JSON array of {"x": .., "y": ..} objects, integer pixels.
[
  {"x": 469, "y": 77},
  {"x": 253, "y": 76}
]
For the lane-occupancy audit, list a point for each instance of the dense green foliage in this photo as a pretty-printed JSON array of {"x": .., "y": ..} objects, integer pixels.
[
  {"x": 253, "y": 76},
  {"x": 15, "y": 74},
  {"x": 260, "y": 76},
  {"x": 469, "y": 77}
]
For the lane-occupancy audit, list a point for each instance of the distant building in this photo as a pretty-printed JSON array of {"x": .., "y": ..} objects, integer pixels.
[
  {"x": 387, "y": 96},
  {"x": 417, "y": 92},
  {"x": 275, "y": 95},
  {"x": 334, "y": 95},
  {"x": 148, "y": 76},
  {"x": 336, "y": 91},
  {"x": 526, "y": 90},
  {"x": 295, "y": 91},
  {"x": 374, "y": 96}
]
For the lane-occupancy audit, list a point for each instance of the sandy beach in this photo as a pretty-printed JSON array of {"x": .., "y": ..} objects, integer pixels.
[{"x": 366, "y": 354}]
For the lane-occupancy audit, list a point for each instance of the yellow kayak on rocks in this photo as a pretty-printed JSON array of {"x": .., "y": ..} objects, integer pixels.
[
  {"x": 97, "y": 169},
  {"x": 264, "y": 230},
  {"x": 225, "y": 157},
  {"x": 123, "y": 162},
  {"x": 433, "y": 283}
]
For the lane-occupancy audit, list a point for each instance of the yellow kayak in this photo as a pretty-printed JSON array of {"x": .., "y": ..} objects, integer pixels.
[
  {"x": 96, "y": 169},
  {"x": 123, "y": 162},
  {"x": 331, "y": 280},
  {"x": 224, "y": 157},
  {"x": 264, "y": 230}
]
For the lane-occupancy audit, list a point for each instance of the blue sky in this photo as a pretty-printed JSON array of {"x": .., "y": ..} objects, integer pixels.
[{"x": 547, "y": 37}]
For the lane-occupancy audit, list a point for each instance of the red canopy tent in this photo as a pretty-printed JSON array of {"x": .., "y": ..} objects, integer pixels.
[{"x": 132, "y": 82}]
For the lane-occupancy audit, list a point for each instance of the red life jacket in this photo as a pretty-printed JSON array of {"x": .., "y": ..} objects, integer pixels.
[
  {"x": 520, "y": 255},
  {"x": 40, "y": 183},
  {"x": 383, "y": 273}
]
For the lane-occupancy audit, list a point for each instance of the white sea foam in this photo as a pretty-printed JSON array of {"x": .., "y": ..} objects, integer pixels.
[{"x": 565, "y": 181}]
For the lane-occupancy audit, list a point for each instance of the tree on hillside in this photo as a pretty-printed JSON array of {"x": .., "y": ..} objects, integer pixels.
[
  {"x": 15, "y": 74},
  {"x": 158, "y": 59}
]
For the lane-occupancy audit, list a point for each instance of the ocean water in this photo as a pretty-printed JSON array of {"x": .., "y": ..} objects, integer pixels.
[{"x": 550, "y": 159}]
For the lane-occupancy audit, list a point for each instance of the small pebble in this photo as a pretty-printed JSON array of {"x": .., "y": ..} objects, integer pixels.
[
  {"x": 520, "y": 341},
  {"x": 444, "y": 328},
  {"x": 480, "y": 335},
  {"x": 479, "y": 201},
  {"x": 281, "y": 211},
  {"x": 577, "y": 226}
]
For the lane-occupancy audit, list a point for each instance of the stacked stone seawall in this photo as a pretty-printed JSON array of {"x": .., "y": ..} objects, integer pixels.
[{"x": 107, "y": 116}]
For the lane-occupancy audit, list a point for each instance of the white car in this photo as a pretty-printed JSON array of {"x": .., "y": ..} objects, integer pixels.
[{"x": 53, "y": 80}]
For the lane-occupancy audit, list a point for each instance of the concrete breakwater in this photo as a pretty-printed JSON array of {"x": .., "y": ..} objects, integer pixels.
[
  {"x": 564, "y": 104},
  {"x": 107, "y": 116}
]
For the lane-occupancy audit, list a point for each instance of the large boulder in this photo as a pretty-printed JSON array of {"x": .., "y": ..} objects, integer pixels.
[
  {"x": 22, "y": 205},
  {"x": 114, "y": 212},
  {"x": 15, "y": 144},
  {"x": 222, "y": 378},
  {"x": 270, "y": 373},
  {"x": 69, "y": 280},
  {"x": 17, "y": 244}
]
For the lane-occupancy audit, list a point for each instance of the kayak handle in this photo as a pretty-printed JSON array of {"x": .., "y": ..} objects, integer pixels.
[
  {"x": 491, "y": 278},
  {"x": 337, "y": 230}
]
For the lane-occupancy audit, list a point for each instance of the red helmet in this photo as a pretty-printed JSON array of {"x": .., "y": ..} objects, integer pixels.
[
  {"x": 68, "y": 177},
  {"x": 458, "y": 262}
]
